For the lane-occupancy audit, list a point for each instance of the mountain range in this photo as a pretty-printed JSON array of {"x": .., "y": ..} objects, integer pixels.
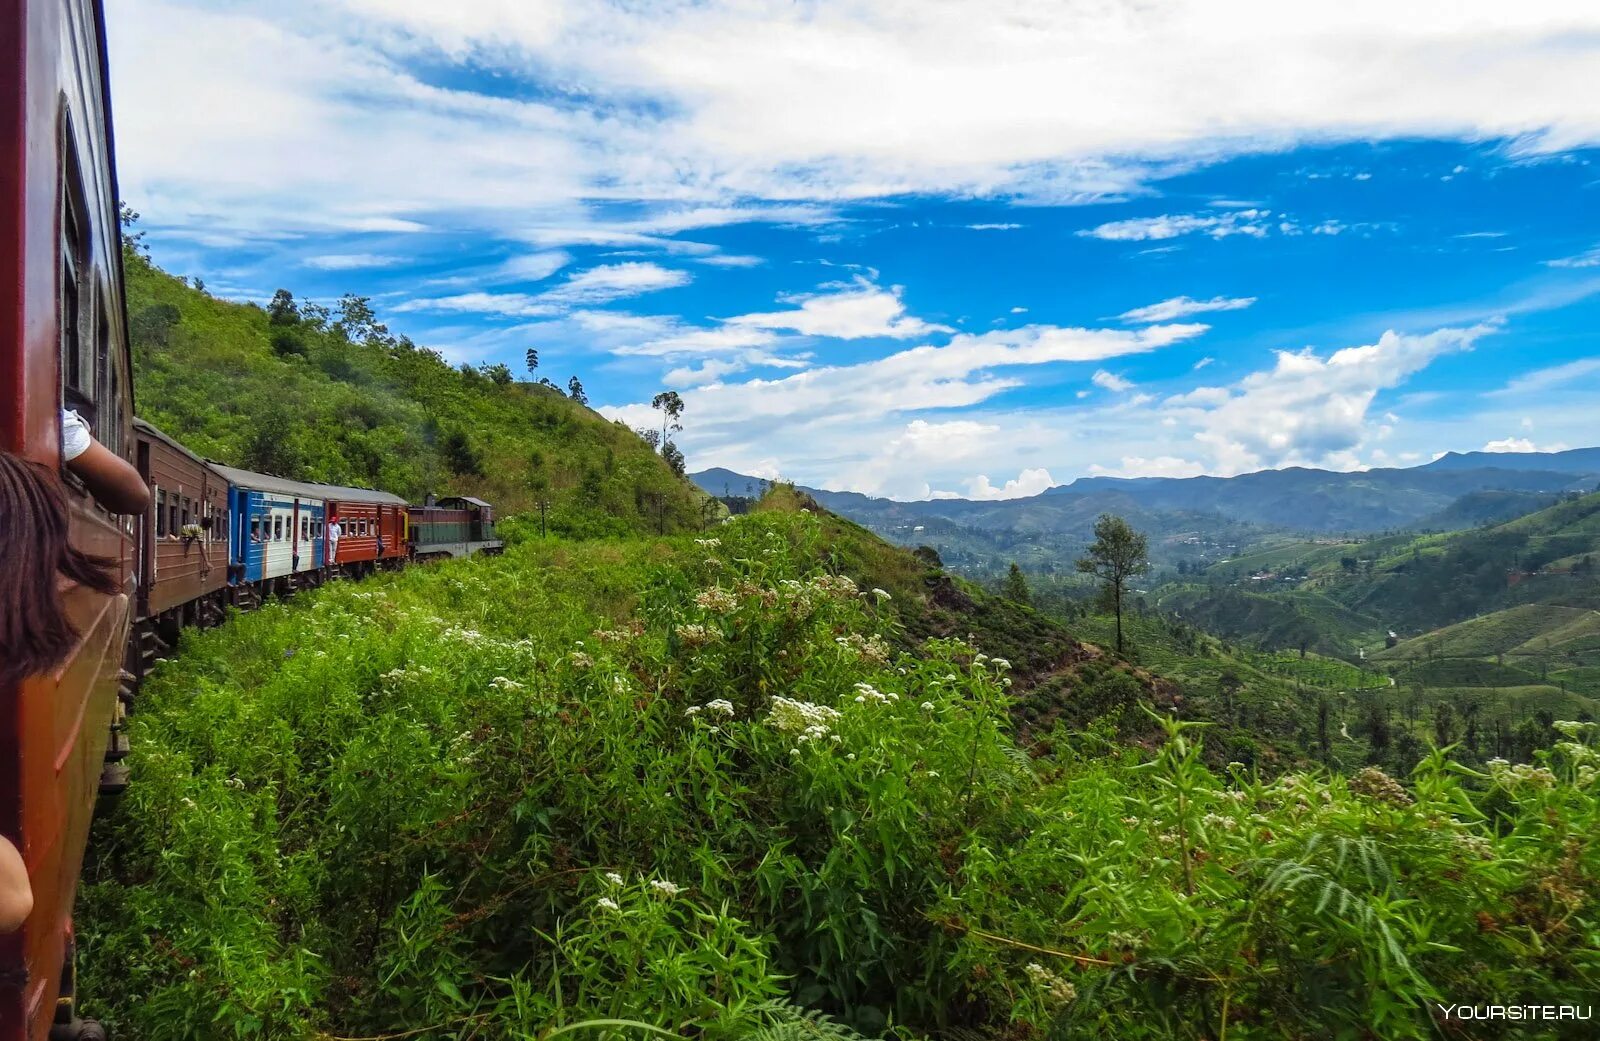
[{"x": 1202, "y": 519}]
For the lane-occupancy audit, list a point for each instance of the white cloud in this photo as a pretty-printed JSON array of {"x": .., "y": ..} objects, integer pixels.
[
  {"x": 1588, "y": 258},
  {"x": 1309, "y": 410},
  {"x": 1203, "y": 362},
  {"x": 1159, "y": 466},
  {"x": 597, "y": 285},
  {"x": 1521, "y": 444},
  {"x": 1553, "y": 378},
  {"x": 994, "y": 227},
  {"x": 1028, "y": 482},
  {"x": 695, "y": 107},
  {"x": 533, "y": 267},
  {"x": 731, "y": 260},
  {"x": 1019, "y": 310},
  {"x": 1183, "y": 306},
  {"x": 1252, "y": 223},
  {"x": 854, "y": 311},
  {"x": 351, "y": 261},
  {"x": 1110, "y": 381}
]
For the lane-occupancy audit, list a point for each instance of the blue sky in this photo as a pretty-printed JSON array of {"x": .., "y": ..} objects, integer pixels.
[{"x": 973, "y": 248}]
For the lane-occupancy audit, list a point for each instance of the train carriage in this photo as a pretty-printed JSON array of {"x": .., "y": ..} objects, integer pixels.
[
  {"x": 183, "y": 538},
  {"x": 372, "y": 525},
  {"x": 277, "y": 530},
  {"x": 63, "y": 344}
]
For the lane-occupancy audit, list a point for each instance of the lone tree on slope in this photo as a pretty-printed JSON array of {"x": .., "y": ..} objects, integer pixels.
[
  {"x": 671, "y": 406},
  {"x": 1016, "y": 586},
  {"x": 575, "y": 391},
  {"x": 532, "y": 358},
  {"x": 1118, "y": 554}
]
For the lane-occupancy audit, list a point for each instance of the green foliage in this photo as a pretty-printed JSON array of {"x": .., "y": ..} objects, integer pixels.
[
  {"x": 698, "y": 782},
  {"x": 1015, "y": 586},
  {"x": 309, "y": 393}
]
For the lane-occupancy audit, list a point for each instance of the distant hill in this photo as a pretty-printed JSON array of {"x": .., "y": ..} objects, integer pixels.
[
  {"x": 1488, "y": 591},
  {"x": 336, "y": 398},
  {"x": 1574, "y": 461}
]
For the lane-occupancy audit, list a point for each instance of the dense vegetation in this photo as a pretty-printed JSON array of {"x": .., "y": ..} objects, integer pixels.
[
  {"x": 724, "y": 785},
  {"x": 302, "y": 392}
]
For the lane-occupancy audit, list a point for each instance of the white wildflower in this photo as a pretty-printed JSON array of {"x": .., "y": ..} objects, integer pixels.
[
  {"x": 664, "y": 887},
  {"x": 608, "y": 904},
  {"x": 614, "y": 878}
]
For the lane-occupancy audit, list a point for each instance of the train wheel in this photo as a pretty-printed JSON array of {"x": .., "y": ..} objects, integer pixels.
[{"x": 67, "y": 1025}]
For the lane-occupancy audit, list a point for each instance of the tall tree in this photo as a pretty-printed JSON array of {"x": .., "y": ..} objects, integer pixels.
[
  {"x": 1016, "y": 586},
  {"x": 1118, "y": 554},
  {"x": 532, "y": 358},
  {"x": 575, "y": 391},
  {"x": 282, "y": 310},
  {"x": 671, "y": 406}
]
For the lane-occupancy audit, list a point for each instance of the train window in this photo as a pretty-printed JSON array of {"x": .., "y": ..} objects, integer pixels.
[
  {"x": 186, "y": 516},
  {"x": 161, "y": 513},
  {"x": 305, "y": 528},
  {"x": 77, "y": 364},
  {"x": 255, "y": 529},
  {"x": 173, "y": 527}
]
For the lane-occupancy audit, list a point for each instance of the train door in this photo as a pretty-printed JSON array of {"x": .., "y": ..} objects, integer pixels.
[
  {"x": 278, "y": 537},
  {"x": 144, "y": 535}
]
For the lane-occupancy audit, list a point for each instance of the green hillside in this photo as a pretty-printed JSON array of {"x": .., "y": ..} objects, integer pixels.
[
  {"x": 1344, "y": 595},
  {"x": 780, "y": 781},
  {"x": 335, "y": 397}
]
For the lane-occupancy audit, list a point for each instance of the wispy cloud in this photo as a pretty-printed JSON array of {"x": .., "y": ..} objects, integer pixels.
[
  {"x": 351, "y": 261},
  {"x": 1252, "y": 223},
  {"x": 1183, "y": 306},
  {"x": 1588, "y": 258},
  {"x": 598, "y": 285}
]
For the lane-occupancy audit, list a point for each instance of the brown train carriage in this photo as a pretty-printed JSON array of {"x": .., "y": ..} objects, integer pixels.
[
  {"x": 182, "y": 539},
  {"x": 63, "y": 342}
]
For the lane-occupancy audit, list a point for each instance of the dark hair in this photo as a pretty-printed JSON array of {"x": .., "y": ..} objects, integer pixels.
[{"x": 35, "y": 633}]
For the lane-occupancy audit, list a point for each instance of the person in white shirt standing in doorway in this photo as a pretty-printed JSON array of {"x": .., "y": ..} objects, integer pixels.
[{"x": 333, "y": 534}]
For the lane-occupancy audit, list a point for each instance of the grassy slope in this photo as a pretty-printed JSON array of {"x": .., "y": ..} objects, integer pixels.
[
  {"x": 382, "y": 414},
  {"x": 389, "y": 808}
]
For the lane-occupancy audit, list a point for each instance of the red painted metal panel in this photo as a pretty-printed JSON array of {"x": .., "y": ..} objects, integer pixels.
[{"x": 53, "y": 729}]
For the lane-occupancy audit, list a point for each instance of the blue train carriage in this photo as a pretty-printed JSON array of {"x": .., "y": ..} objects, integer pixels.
[
  {"x": 454, "y": 526},
  {"x": 276, "y": 537}
]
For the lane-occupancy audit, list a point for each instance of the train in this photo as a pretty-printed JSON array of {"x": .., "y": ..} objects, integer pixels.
[{"x": 213, "y": 538}]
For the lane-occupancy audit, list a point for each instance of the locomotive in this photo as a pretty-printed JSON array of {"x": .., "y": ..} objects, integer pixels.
[{"x": 213, "y": 536}]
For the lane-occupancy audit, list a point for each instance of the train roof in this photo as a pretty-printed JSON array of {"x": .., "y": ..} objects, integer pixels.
[
  {"x": 469, "y": 500},
  {"x": 144, "y": 426},
  {"x": 304, "y": 489}
]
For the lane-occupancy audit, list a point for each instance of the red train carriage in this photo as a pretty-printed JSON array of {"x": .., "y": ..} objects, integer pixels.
[
  {"x": 62, "y": 342},
  {"x": 372, "y": 527},
  {"x": 182, "y": 541}
]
